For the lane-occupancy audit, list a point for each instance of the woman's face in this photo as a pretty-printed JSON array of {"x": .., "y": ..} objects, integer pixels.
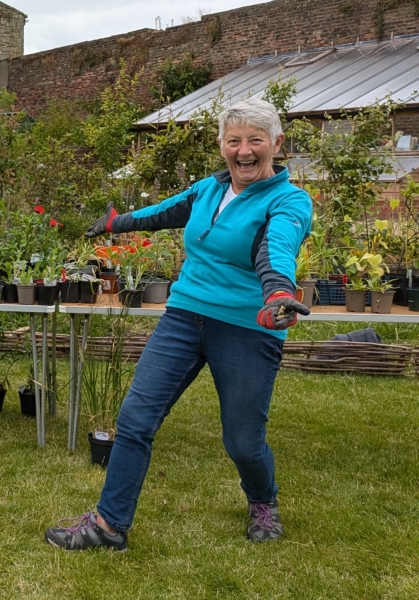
[{"x": 248, "y": 151}]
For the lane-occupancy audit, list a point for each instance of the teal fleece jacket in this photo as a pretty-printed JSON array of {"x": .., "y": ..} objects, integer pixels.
[{"x": 236, "y": 261}]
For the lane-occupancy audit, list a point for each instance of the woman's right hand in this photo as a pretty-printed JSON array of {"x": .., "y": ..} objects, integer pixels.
[{"x": 104, "y": 224}]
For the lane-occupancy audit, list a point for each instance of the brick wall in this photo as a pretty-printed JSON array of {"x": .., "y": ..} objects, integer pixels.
[
  {"x": 226, "y": 39},
  {"x": 12, "y": 23},
  {"x": 408, "y": 122}
]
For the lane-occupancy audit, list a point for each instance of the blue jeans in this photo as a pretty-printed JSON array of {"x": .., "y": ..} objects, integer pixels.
[{"x": 243, "y": 363}]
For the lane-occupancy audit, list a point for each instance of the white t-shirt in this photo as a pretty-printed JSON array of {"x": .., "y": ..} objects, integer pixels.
[{"x": 228, "y": 197}]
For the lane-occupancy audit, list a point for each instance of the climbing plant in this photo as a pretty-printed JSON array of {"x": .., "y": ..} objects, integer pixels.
[
  {"x": 380, "y": 9},
  {"x": 175, "y": 80}
]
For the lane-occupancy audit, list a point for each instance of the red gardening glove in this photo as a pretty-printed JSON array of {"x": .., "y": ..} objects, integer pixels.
[
  {"x": 104, "y": 224},
  {"x": 280, "y": 311}
]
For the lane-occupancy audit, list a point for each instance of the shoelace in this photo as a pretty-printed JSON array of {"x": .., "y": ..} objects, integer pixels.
[
  {"x": 79, "y": 522},
  {"x": 264, "y": 515}
]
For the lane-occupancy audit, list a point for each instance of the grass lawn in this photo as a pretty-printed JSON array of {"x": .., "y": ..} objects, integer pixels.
[{"x": 346, "y": 452}]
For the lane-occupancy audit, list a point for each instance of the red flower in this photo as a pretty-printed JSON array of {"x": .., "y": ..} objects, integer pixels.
[
  {"x": 53, "y": 223},
  {"x": 39, "y": 209}
]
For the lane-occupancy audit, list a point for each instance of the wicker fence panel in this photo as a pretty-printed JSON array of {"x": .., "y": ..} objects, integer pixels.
[
  {"x": 318, "y": 357},
  {"x": 99, "y": 347},
  {"x": 347, "y": 357},
  {"x": 415, "y": 353}
]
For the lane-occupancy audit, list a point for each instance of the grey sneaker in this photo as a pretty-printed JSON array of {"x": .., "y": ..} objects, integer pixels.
[
  {"x": 265, "y": 522},
  {"x": 84, "y": 532}
]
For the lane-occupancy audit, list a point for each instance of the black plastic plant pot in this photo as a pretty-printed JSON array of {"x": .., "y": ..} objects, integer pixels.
[
  {"x": 100, "y": 450},
  {"x": 89, "y": 291},
  {"x": 70, "y": 291},
  {"x": 47, "y": 294},
  {"x": 132, "y": 298},
  {"x": 10, "y": 293},
  {"x": 2, "y": 397},
  {"x": 27, "y": 402}
]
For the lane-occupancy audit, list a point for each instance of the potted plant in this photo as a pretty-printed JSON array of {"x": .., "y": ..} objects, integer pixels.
[
  {"x": 9, "y": 284},
  {"x": 382, "y": 294},
  {"x": 356, "y": 269},
  {"x": 50, "y": 267},
  {"x": 133, "y": 265},
  {"x": 307, "y": 265},
  {"x": 160, "y": 263},
  {"x": 360, "y": 268},
  {"x": 82, "y": 259},
  {"x": 25, "y": 281},
  {"x": 109, "y": 269},
  {"x": 27, "y": 396},
  {"x": 89, "y": 288},
  {"x": 106, "y": 380}
]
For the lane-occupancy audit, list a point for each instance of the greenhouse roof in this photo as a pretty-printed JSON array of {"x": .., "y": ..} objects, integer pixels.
[{"x": 351, "y": 76}]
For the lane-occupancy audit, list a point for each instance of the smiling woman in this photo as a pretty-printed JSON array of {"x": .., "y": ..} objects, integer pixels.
[
  {"x": 230, "y": 308},
  {"x": 248, "y": 151}
]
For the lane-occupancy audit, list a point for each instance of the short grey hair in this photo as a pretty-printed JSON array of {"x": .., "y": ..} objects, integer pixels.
[{"x": 259, "y": 113}]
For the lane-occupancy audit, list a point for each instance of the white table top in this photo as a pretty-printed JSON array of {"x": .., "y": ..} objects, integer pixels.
[
  {"x": 110, "y": 304},
  {"x": 26, "y": 308},
  {"x": 398, "y": 314}
]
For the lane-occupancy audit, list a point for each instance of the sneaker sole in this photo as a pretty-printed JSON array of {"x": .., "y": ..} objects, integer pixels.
[{"x": 52, "y": 543}]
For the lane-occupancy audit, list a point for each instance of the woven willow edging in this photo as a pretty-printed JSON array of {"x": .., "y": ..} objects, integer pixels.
[
  {"x": 318, "y": 357},
  {"x": 347, "y": 357}
]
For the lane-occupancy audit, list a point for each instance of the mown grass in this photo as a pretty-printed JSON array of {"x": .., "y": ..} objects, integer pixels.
[{"x": 346, "y": 451}]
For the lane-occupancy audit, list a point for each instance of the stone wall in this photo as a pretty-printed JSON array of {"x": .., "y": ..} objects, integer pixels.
[
  {"x": 12, "y": 23},
  {"x": 226, "y": 39}
]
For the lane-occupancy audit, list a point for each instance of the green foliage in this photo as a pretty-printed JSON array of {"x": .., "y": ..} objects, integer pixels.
[
  {"x": 176, "y": 156},
  {"x": 175, "y": 80},
  {"x": 279, "y": 92},
  {"x": 403, "y": 235},
  {"x": 11, "y": 143},
  {"x": 106, "y": 380},
  {"x": 348, "y": 162},
  {"x": 60, "y": 120},
  {"x": 110, "y": 129},
  {"x": 360, "y": 268}
]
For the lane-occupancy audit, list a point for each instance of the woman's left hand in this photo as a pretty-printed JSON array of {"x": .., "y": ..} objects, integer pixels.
[{"x": 280, "y": 311}]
